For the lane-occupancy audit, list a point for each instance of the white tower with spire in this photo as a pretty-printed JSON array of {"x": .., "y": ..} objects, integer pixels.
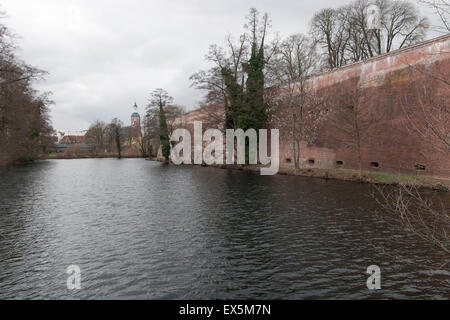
[{"x": 135, "y": 117}]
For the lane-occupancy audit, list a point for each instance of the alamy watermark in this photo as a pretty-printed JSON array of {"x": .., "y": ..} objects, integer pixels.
[
  {"x": 74, "y": 279},
  {"x": 373, "y": 17},
  {"x": 374, "y": 281},
  {"x": 214, "y": 153}
]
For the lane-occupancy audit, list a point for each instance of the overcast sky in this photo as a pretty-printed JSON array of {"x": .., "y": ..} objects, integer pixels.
[{"x": 103, "y": 55}]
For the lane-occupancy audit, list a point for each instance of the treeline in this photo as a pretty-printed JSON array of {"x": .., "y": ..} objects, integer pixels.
[
  {"x": 25, "y": 128},
  {"x": 113, "y": 137},
  {"x": 248, "y": 73},
  {"x": 365, "y": 29},
  {"x": 245, "y": 65},
  {"x": 156, "y": 127}
]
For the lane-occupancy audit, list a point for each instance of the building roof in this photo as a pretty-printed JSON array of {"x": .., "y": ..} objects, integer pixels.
[{"x": 61, "y": 134}]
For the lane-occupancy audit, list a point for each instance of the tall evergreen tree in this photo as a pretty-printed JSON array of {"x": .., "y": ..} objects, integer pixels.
[
  {"x": 160, "y": 99},
  {"x": 117, "y": 127},
  {"x": 255, "y": 116},
  {"x": 238, "y": 78},
  {"x": 163, "y": 133},
  {"x": 252, "y": 113},
  {"x": 236, "y": 99}
]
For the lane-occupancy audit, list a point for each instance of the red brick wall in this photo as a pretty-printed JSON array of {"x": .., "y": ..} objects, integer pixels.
[{"x": 389, "y": 83}]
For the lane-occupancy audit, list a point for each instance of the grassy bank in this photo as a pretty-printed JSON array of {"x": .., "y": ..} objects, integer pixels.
[
  {"x": 386, "y": 178},
  {"x": 89, "y": 156},
  {"x": 371, "y": 177}
]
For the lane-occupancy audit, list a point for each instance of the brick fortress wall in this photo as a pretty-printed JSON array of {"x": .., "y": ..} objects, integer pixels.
[{"x": 392, "y": 87}]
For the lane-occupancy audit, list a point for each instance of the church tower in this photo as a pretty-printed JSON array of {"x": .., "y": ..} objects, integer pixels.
[{"x": 135, "y": 117}]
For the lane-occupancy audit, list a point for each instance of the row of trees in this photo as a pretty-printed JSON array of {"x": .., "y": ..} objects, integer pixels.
[
  {"x": 248, "y": 74},
  {"x": 339, "y": 35},
  {"x": 113, "y": 137},
  {"x": 345, "y": 34},
  {"x": 25, "y": 128},
  {"x": 158, "y": 125}
]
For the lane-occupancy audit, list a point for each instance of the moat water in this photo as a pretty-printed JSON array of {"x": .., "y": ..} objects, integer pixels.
[{"x": 144, "y": 230}]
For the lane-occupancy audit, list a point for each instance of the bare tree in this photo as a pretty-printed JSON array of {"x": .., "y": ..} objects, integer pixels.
[
  {"x": 345, "y": 35},
  {"x": 132, "y": 136},
  {"x": 43, "y": 131},
  {"x": 407, "y": 208},
  {"x": 114, "y": 136},
  {"x": 151, "y": 130},
  {"x": 172, "y": 113},
  {"x": 145, "y": 146},
  {"x": 402, "y": 25},
  {"x": 426, "y": 103},
  {"x": 353, "y": 117},
  {"x": 161, "y": 118},
  {"x": 109, "y": 137},
  {"x": 159, "y": 98},
  {"x": 425, "y": 106},
  {"x": 211, "y": 80},
  {"x": 442, "y": 10},
  {"x": 117, "y": 130},
  {"x": 214, "y": 80},
  {"x": 238, "y": 71},
  {"x": 296, "y": 61},
  {"x": 25, "y": 130},
  {"x": 330, "y": 28},
  {"x": 96, "y": 135},
  {"x": 416, "y": 212}
]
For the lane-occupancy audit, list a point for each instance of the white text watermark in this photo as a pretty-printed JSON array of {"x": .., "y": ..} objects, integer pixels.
[{"x": 235, "y": 150}]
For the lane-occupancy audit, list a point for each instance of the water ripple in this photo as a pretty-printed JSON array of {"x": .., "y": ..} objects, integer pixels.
[{"x": 143, "y": 230}]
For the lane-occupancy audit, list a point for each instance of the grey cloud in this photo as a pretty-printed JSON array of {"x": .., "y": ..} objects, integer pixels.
[{"x": 102, "y": 56}]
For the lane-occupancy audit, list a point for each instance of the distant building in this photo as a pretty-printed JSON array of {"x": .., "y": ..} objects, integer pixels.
[
  {"x": 71, "y": 137},
  {"x": 66, "y": 139}
]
